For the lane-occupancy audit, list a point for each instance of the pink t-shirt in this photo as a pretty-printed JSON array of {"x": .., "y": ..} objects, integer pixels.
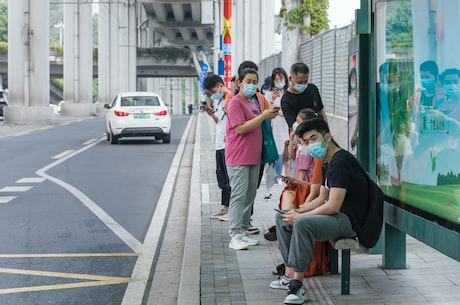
[
  {"x": 242, "y": 149},
  {"x": 305, "y": 163}
]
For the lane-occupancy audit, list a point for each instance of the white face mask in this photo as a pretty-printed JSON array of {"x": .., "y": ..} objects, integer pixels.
[
  {"x": 295, "y": 125},
  {"x": 303, "y": 150}
]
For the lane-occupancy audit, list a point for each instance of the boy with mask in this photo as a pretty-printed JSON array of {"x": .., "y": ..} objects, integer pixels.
[
  {"x": 300, "y": 94},
  {"x": 338, "y": 212},
  {"x": 214, "y": 85}
]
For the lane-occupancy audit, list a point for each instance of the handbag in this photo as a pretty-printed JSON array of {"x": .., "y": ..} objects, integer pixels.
[{"x": 269, "y": 151}]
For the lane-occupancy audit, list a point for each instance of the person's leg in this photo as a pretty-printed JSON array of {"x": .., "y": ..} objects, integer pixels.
[
  {"x": 307, "y": 230},
  {"x": 283, "y": 234},
  {"x": 279, "y": 165},
  {"x": 287, "y": 201},
  {"x": 239, "y": 180},
  {"x": 253, "y": 177},
  {"x": 222, "y": 177}
]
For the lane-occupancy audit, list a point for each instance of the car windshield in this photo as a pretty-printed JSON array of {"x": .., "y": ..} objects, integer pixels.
[{"x": 133, "y": 101}]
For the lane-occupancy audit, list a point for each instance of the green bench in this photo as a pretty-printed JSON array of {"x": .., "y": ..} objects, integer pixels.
[{"x": 344, "y": 245}]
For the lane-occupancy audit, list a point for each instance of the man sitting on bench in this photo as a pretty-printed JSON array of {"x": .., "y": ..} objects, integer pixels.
[{"x": 337, "y": 213}]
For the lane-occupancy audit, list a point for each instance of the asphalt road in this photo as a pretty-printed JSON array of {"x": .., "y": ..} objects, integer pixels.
[{"x": 80, "y": 218}]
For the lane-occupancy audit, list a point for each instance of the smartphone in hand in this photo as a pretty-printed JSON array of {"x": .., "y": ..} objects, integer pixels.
[
  {"x": 279, "y": 211},
  {"x": 276, "y": 108}
]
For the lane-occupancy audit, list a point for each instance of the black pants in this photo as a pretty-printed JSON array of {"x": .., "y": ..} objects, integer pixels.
[{"x": 222, "y": 177}]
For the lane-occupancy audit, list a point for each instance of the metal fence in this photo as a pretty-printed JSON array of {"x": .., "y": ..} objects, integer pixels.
[{"x": 327, "y": 57}]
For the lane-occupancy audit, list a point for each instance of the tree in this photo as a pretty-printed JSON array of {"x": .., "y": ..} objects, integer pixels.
[
  {"x": 309, "y": 17},
  {"x": 3, "y": 22}
]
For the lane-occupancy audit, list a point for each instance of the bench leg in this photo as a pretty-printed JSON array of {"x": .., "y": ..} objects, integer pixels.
[
  {"x": 334, "y": 263},
  {"x": 345, "y": 272}
]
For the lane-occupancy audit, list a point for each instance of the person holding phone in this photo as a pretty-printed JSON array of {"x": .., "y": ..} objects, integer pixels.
[
  {"x": 214, "y": 85},
  {"x": 278, "y": 85},
  {"x": 243, "y": 155}
]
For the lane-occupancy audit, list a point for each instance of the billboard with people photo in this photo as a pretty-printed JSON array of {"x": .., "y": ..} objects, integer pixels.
[{"x": 418, "y": 104}]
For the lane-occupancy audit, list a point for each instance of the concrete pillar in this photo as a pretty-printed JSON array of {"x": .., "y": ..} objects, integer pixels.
[
  {"x": 127, "y": 59},
  {"x": 78, "y": 60},
  {"x": 28, "y": 63},
  {"x": 291, "y": 45},
  {"x": 103, "y": 58},
  {"x": 114, "y": 47}
]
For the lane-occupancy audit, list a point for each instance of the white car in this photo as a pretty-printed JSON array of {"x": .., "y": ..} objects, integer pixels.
[{"x": 137, "y": 114}]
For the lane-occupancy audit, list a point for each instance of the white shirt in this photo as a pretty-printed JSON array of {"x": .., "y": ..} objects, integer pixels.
[{"x": 221, "y": 123}]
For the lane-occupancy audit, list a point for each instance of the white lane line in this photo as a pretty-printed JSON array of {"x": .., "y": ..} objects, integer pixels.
[
  {"x": 12, "y": 189},
  {"x": 205, "y": 198},
  {"x": 116, "y": 228},
  {"x": 31, "y": 180},
  {"x": 6, "y": 199},
  {"x": 136, "y": 288}
]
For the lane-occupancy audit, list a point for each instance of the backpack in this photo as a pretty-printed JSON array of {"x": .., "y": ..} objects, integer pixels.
[{"x": 369, "y": 233}]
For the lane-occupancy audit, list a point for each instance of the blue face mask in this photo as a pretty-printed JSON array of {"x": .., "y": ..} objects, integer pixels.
[
  {"x": 280, "y": 85},
  {"x": 316, "y": 150},
  {"x": 427, "y": 83},
  {"x": 300, "y": 88},
  {"x": 452, "y": 91},
  {"x": 217, "y": 96},
  {"x": 249, "y": 90}
]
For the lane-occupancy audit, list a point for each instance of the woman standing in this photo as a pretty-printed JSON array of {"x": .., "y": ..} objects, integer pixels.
[
  {"x": 280, "y": 128},
  {"x": 243, "y": 151}
]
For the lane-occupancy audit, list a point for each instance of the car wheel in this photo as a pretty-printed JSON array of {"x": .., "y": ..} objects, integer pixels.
[
  {"x": 113, "y": 138},
  {"x": 167, "y": 138}
]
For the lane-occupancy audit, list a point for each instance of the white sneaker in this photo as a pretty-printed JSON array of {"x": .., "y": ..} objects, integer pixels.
[
  {"x": 249, "y": 240},
  {"x": 237, "y": 243},
  {"x": 295, "y": 296},
  {"x": 281, "y": 283}
]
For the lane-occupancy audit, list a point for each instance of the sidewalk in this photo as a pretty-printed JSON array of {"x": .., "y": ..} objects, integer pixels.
[{"x": 242, "y": 277}]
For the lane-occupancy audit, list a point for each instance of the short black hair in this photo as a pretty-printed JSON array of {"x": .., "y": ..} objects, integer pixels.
[
  {"x": 430, "y": 66},
  {"x": 211, "y": 81},
  {"x": 299, "y": 67},
  {"x": 246, "y": 71},
  {"x": 449, "y": 72},
  {"x": 317, "y": 124},
  {"x": 247, "y": 64}
]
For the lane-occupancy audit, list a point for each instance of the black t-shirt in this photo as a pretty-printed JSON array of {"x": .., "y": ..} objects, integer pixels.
[
  {"x": 344, "y": 171},
  {"x": 291, "y": 103}
]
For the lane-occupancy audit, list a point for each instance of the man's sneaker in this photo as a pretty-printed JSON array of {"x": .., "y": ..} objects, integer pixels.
[
  {"x": 224, "y": 217},
  {"x": 249, "y": 240},
  {"x": 237, "y": 243},
  {"x": 253, "y": 230},
  {"x": 296, "y": 293},
  {"x": 222, "y": 211},
  {"x": 281, "y": 283},
  {"x": 268, "y": 196}
]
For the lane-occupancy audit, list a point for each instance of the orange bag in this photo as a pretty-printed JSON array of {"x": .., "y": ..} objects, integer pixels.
[{"x": 320, "y": 263}]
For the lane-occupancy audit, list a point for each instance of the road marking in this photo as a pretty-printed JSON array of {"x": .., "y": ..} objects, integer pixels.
[
  {"x": 54, "y": 255},
  {"x": 15, "y": 189},
  {"x": 90, "y": 141},
  {"x": 62, "y": 154},
  {"x": 136, "y": 289},
  {"x": 31, "y": 180},
  {"x": 6, "y": 199},
  {"x": 90, "y": 280},
  {"x": 116, "y": 228},
  {"x": 205, "y": 193}
]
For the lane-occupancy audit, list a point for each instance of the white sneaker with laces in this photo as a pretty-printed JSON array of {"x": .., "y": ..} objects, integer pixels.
[
  {"x": 237, "y": 243},
  {"x": 296, "y": 295},
  {"x": 281, "y": 283},
  {"x": 249, "y": 240}
]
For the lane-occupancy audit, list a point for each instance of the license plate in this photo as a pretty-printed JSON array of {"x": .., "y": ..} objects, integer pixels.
[{"x": 142, "y": 116}]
